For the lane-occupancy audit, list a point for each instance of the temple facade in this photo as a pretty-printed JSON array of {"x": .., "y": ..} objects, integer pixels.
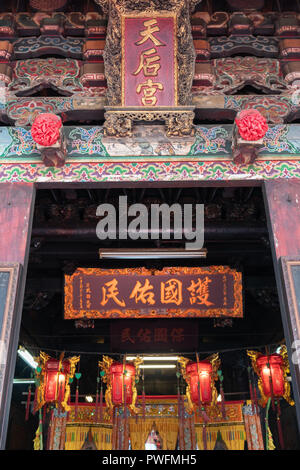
[{"x": 150, "y": 224}]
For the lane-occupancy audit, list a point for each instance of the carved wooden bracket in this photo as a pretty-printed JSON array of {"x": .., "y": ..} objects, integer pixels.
[
  {"x": 178, "y": 120},
  {"x": 54, "y": 155},
  {"x": 244, "y": 151}
]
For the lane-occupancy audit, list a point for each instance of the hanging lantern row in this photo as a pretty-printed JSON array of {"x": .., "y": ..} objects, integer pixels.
[
  {"x": 120, "y": 379},
  {"x": 272, "y": 373},
  {"x": 200, "y": 378},
  {"x": 53, "y": 378}
]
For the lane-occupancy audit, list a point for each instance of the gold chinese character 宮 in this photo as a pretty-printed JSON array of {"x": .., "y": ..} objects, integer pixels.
[
  {"x": 171, "y": 292},
  {"x": 151, "y": 26},
  {"x": 110, "y": 291},
  {"x": 200, "y": 292},
  {"x": 142, "y": 293},
  {"x": 149, "y": 89},
  {"x": 148, "y": 63}
]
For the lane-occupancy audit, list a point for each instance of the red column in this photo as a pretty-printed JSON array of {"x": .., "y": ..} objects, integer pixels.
[
  {"x": 282, "y": 203},
  {"x": 16, "y": 212}
]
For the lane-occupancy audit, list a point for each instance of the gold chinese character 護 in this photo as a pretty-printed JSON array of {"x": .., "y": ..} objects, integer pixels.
[{"x": 200, "y": 292}]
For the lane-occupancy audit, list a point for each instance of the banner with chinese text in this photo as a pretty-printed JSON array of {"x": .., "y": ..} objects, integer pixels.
[
  {"x": 154, "y": 335},
  {"x": 214, "y": 291},
  {"x": 149, "y": 67}
]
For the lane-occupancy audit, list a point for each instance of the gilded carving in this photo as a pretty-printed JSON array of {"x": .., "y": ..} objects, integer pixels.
[{"x": 113, "y": 49}]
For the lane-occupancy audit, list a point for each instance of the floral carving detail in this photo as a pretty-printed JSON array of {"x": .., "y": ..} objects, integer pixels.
[
  {"x": 45, "y": 129},
  {"x": 252, "y": 125}
]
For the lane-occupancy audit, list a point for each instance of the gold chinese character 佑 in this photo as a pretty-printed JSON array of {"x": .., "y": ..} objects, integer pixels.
[
  {"x": 148, "y": 63},
  {"x": 149, "y": 89},
  {"x": 171, "y": 292},
  {"x": 142, "y": 293},
  {"x": 110, "y": 291},
  {"x": 151, "y": 26},
  {"x": 200, "y": 292}
]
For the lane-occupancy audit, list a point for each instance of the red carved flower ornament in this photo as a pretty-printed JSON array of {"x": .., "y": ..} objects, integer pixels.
[
  {"x": 45, "y": 129},
  {"x": 252, "y": 125}
]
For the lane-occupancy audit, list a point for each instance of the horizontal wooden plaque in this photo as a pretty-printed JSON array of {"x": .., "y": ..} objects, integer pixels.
[{"x": 179, "y": 292}]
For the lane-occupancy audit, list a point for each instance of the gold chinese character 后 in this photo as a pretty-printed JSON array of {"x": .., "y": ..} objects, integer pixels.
[
  {"x": 200, "y": 292},
  {"x": 149, "y": 89},
  {"x": 151, "y": 27},
  {"x": 171, "y": 292},
  {"x": 110, "y": 291},
  {"x": 125, "y": 336},
  {"x": 142, "y": 293},
  {"x": 160, "y": 335},
  {"x": 147, "y": 64}
]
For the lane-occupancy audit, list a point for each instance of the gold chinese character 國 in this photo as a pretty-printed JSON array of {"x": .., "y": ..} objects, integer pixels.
[
  {"x": 160, "y": 335},
  {"x": 149, "y": 89},
  {"x": 142, "y": 293},
  {"x": 147, "y": 63},
  {"x": 200, "y": 292},
  {"x": 171, "y": 292},
  {"x": 151, "y": 27},
  {"x": 110, "y": 291}
]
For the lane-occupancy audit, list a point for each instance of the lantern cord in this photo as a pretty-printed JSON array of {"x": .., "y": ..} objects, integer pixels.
[
  {"x": 269, "y": 438},
  {"x": 279, "y": 427},
  {"x": 178, "y": 353},
  {"x": 101, "y": 402},
  {"x": 28, "y": 403},
  {"x": 41, "y": 429},
  {"x": 251, "y": 389}
]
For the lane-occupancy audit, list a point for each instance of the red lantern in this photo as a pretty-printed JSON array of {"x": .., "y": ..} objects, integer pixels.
[
  {"x": 55, "y": 380},
  {"x": 271, "y": 373},
  {"x": 200, "y": 375},
  {"x": 122, "y": 379},
  {"x": 53, "y": 376}
]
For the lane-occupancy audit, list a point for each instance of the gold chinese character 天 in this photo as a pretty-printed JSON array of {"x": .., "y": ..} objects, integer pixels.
[
  {"x": 125, "y": 336},
  {"x": 177, "y": 335},
  {"x": 151, "y": 26},
  {"x": 148, "y": 63},
  {"x": 110, "y": 291},
  {"x": 200, "y": 292},
  {"x": 160, "y": 335},
  {"x": 171, "y": 292},
  {"x": 144, "y": 335},
  {"x": 149, "y": 89},
  {"x": 142, "y": 293}
]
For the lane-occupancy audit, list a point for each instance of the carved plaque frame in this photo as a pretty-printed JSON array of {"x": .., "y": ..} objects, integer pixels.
[{"x": 186, "y": 54}]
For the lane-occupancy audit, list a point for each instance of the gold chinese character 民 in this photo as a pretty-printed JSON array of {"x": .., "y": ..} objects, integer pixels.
[
  {"x": 149, "y": 89},
  {"x": 148, "y": 63},
  {"x": 200, "y": 292},
  {"x": 142, "y": 293},
  {"x": 171, "y": 292},
  {"x": 125, "y": 336},
  {"x": 151, "y": 27},
  {"x": 110, "y": 291}
]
